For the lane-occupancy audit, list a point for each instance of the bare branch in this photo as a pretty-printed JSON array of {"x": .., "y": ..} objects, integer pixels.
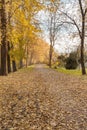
[
  {"x": 74, "y": 22},
  {"x": 85, "y": 11}
]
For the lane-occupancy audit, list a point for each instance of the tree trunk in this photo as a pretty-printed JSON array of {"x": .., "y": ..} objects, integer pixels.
[
  {"x": 0, "y": 59},
  {"x": 9, "y": 59},
  {"x": 4, "y": 59},
  {"x": 82, "y": 59},
  {"x": 50, "y": 56},
  {"x": 26, "y": 62},
  {"x": 27, "y": 56},
  {"x": 9, "y": 44},
  {"x": 82, "y": 47},
  {"x": 21, "y": 64},
  {"x": 14, "y": 65},
  {"x": 3, "y": 39},
  {"x": 31, "y": 56}
]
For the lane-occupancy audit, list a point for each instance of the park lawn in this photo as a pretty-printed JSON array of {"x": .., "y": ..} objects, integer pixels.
[
  {"x": 76, "y": 72},
  {"x": 72, "y": 72}
]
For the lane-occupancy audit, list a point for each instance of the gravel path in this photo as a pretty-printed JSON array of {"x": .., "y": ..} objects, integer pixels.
[{"x": 43, "y": 99}]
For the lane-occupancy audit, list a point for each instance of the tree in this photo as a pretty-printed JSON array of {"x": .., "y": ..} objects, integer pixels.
[
  {"x": 71, "y": 61},
  {"x": 37, "y": 51},
  {"x": 52, "y": 8},
  {"x": 81, "y": 29},
  {"x": 4, "y": 50},
  {"x": 82, "y": 36}
]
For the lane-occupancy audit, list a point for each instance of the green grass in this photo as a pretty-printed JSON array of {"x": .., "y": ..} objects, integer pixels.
[
  {"x": 72, "y": 72},
  {"x": 29, "y": 68}
]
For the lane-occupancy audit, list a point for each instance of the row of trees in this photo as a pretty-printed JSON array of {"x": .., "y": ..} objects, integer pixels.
[{"x": 18, "y": 28}]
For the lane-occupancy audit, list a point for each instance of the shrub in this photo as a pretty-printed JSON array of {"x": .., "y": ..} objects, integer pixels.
[
  {"x": 61, "y": 60},
  {"x": 71, "y": 63}
]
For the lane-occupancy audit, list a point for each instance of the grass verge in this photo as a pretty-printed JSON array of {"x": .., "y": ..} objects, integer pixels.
[
  {"x": 72, "y": 72},
  {"x": 29, "y": 68}
]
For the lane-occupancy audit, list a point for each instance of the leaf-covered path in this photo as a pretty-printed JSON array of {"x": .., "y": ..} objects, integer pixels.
[{"x": 43, "y": 99}]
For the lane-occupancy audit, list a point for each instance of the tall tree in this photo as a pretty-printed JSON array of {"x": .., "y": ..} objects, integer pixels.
[
  {"x": 52, "y": 9},
  {"x": 80, "y": 28},
  {"x": 23, "y": 28},
  {"x": 4, "y": 49},
  {"x": 9, "y": 30},
  {"x": 82, "y": 36}
]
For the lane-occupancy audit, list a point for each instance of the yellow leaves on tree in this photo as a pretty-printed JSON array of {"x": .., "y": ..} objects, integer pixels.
[
  {"x": 22, "y": 28},
  {"x": 38, "y": 51}
]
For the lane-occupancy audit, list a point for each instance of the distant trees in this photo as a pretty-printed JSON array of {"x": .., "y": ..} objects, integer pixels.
[{"x": 38, "y": 51}]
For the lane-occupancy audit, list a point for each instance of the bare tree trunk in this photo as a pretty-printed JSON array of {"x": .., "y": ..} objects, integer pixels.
[
  {"x": 0, "y": 59},
  {"x": 82, "y": 59},
  {"x": 4, "y": 59},
  {"x": 26, "y": 62},
  {"x": 27, "y": 56},
  {"x": 9, "y": 44},
  {"x": 83, "y": 13},
  {"x": 82, "y": 46},
  {"x": 4, "y": 49},
  {"x": 14, "y": 68},
  {"x": 21, "y": 64},
  {"x": 31, "y": 57},
  {"x": 9, "y": 59},
  {"x": 14, "y": 65},
  {"x": 50, "y": 56}
]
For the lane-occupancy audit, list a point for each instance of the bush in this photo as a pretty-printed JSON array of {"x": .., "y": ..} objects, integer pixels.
[
  {"x": 55, "y": 66},
  {"x": 61, "y": 60},
  {"x": 71, "y": 63}
]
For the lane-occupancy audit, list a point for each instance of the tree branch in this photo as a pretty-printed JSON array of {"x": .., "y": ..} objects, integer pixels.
[
  {"x": 15, "y": 11},
  {"x": 74, "y": 22},
  {"x": 81, "y": 8}
]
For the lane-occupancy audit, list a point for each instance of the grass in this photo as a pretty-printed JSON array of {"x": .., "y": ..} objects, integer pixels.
[
  {"x": 29, "y": 68},
  {"x": 72, "y": 72}
]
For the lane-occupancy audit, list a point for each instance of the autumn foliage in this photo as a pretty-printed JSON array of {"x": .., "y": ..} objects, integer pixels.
[{"x": 19, "y": 29}]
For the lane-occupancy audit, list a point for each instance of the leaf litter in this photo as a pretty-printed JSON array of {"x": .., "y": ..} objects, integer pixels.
[{"x": 43, "y": 99}]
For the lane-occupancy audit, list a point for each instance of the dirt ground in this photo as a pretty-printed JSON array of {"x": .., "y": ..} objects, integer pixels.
[{"x": 43, "y": 99}]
